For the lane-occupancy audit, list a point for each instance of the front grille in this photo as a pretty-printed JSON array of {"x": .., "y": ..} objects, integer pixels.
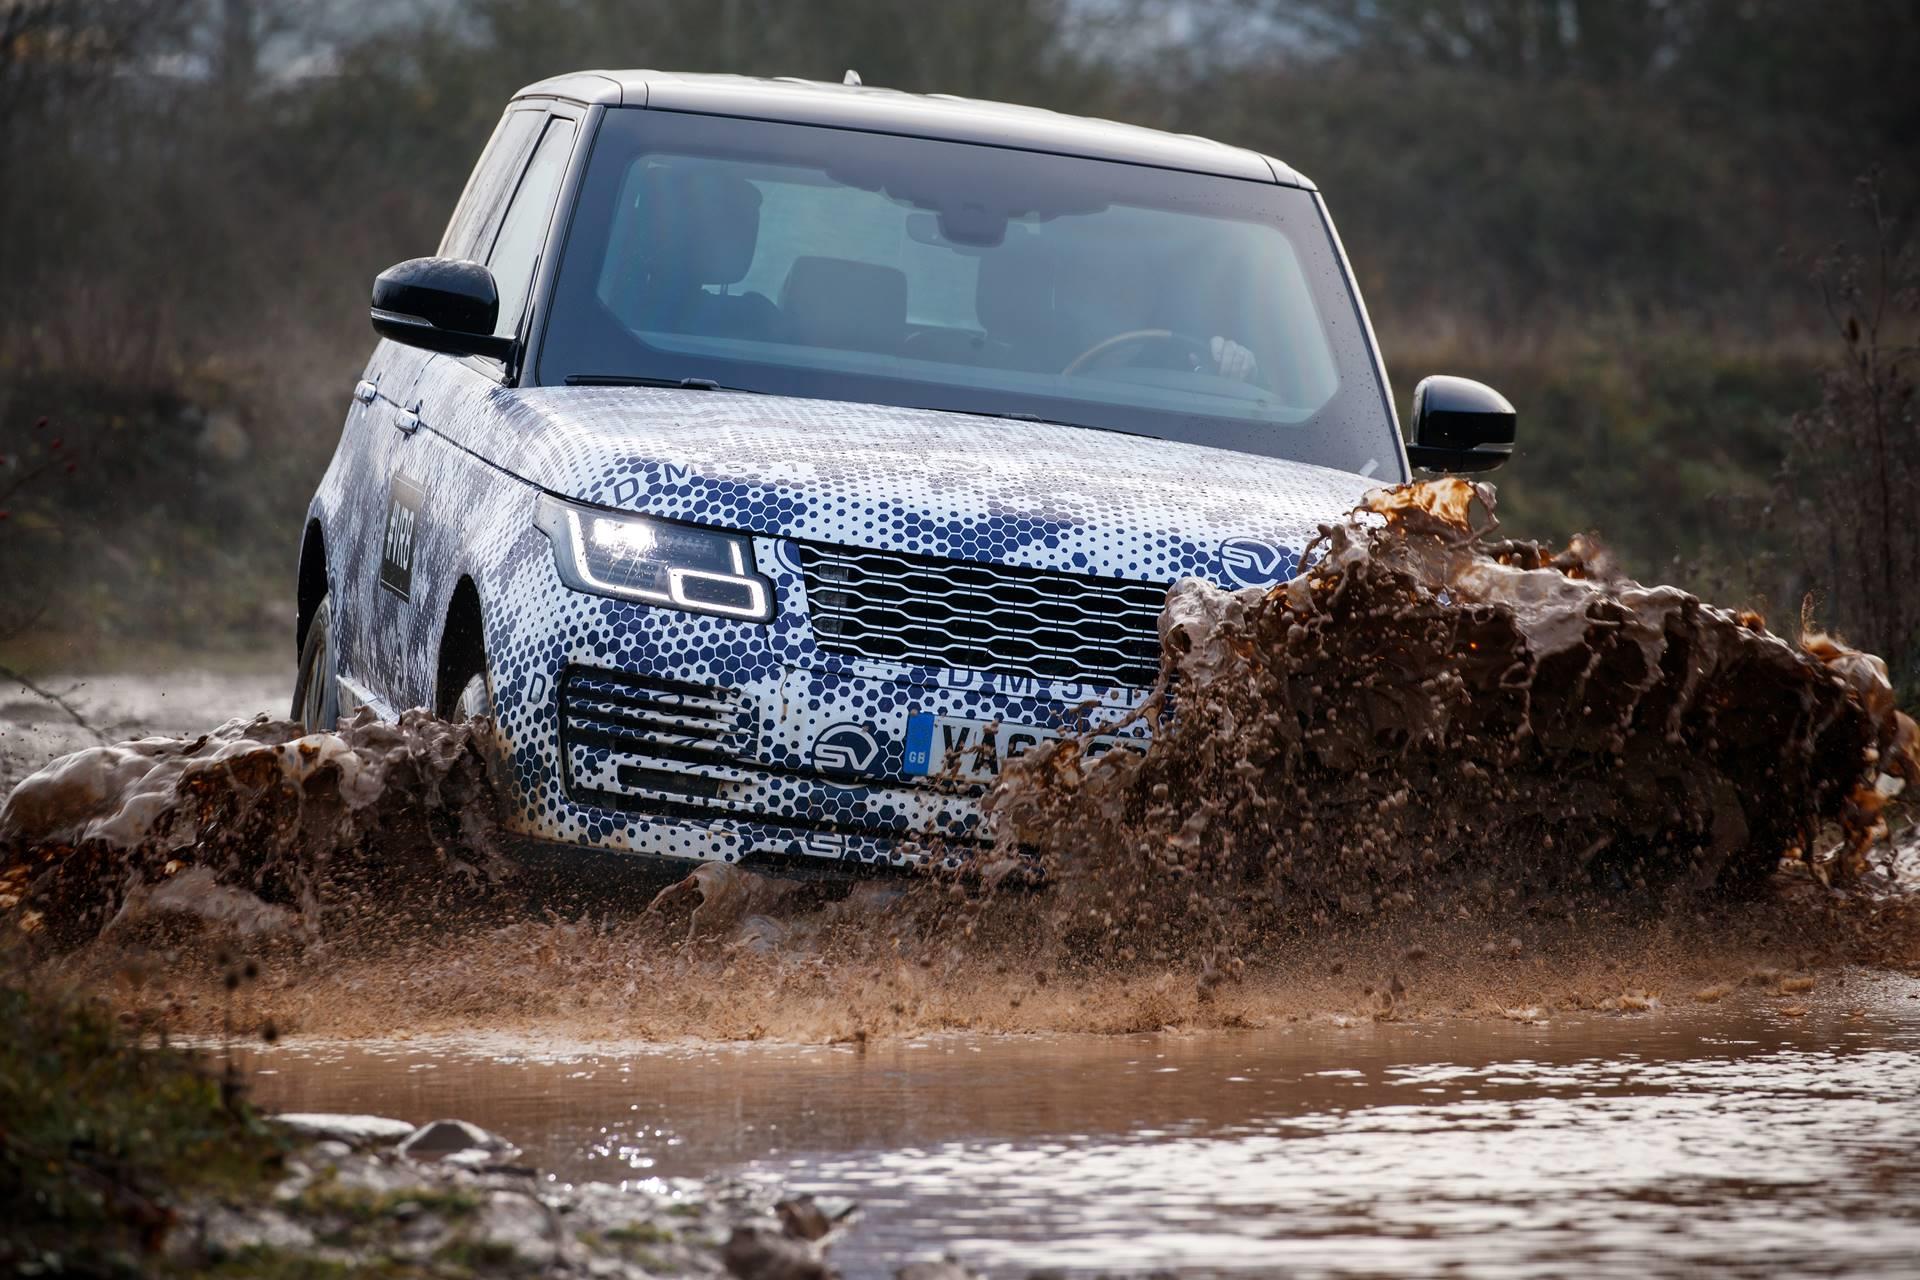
[
  {"x": 652, "y": 746},
  {"x": 677, "y": 740},
  {"x": 957, "y": 613}
]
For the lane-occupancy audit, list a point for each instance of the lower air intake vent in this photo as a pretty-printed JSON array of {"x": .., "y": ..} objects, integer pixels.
[
  {"x": 677, "y": 740},
  {"x": 989, "y": 617}
]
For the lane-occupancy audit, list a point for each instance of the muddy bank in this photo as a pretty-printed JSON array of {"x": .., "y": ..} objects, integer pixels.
[
  {"x": 368, "y": 1195},
  {"x": 1440, "y": 773},
  {"x": 119, "y": 1158}
]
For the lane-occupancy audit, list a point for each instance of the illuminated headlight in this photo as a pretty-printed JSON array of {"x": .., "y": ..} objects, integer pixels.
[{"x": 655, "y": 561}]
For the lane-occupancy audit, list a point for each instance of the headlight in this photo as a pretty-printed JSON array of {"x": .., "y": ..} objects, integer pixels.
[{"x": 655, "y": 561}]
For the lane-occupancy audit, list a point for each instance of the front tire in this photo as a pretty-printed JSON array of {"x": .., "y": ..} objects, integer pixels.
[
  {"x": 475, "y": 702},
  {"x": 316, "y": 692},
  {"x": 476, "y": 698}
]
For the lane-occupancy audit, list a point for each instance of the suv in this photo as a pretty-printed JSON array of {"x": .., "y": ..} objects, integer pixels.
[{"x": 771, "y": 459}]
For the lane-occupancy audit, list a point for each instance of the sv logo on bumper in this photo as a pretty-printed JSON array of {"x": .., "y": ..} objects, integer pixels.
[
  {"x": 846, "y": 748},
  {"x": 1253, "y": 563}
]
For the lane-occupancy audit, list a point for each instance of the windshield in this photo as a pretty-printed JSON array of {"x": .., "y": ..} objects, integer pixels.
[{"x": 867, "y": 267}]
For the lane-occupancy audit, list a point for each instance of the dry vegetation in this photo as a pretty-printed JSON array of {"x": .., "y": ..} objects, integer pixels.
[{"x": 1582, "y": 201}]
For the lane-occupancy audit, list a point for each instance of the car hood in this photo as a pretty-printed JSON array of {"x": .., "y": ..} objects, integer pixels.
[{"x": 954, "y": 486}]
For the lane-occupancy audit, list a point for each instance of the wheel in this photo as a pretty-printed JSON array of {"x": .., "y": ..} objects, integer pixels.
[
  {"x": 476, "y": 698},
  {"x": 316, "y": 693},
  {"x": 475, "y": 702}
]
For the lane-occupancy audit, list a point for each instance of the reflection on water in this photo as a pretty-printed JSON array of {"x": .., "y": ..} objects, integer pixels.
[{"x": 1734, "y": 1139}]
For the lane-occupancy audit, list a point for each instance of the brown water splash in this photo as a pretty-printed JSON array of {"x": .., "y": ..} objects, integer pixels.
[
  {"x": 1433, "y": 717},
  {"x": 1439, "y": 771},
  {"x": 246, "y": 825}
]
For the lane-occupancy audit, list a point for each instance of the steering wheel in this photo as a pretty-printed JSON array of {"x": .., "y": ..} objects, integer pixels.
[{"x": 1200, "y": 347}]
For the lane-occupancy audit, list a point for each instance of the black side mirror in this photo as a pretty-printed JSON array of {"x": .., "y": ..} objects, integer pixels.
[
  {"x": 440, "y": 304},
  {"x": 1459, "y": 425}
]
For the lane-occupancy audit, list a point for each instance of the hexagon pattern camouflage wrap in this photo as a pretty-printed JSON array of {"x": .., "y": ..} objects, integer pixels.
[{"x": 651, "y": 730}]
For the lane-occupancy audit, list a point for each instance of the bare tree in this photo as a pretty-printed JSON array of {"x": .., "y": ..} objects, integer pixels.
[
  {"x": 1853, "y": 463},
  {"x": 239, "y": 45},
  {"x": 1847, "y": 63},
  {"x": 1532, "y": 39}
]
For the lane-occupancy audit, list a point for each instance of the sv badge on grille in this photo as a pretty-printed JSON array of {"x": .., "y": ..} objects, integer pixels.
[
  {"x": 1250, "y": 562},
  {"x": 846, "y": 748}
]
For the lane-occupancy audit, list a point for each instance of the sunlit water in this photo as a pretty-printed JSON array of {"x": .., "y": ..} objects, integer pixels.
[{"x": 1733, "y": 1139}]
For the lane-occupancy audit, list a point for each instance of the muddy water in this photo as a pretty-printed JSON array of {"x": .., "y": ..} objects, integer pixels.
[
  {"x": 1733, "y": 1139},
  {"x": 1730, "y": 1137}
]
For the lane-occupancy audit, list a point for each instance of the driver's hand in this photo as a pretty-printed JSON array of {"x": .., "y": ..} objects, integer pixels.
[{"x": 1231, "y": 360}]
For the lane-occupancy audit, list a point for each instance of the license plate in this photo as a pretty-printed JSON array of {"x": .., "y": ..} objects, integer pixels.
[{"x": 973, "y": 749}]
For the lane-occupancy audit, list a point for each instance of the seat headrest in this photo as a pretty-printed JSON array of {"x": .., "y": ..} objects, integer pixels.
[
  {"x": 703, "y": 225},
  {"x": 838, "y": 302}
]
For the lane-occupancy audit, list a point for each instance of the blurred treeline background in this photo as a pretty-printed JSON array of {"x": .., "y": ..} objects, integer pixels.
[{"x": 1623, "y": 213}]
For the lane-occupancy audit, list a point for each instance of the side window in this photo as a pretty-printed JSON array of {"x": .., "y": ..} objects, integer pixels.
[
  {"x": 524, "y": 230},
  {"x": 478, "y": 213}
]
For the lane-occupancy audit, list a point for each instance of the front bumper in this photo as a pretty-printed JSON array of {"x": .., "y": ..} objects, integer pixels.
[{"x": 652, "y": 731}]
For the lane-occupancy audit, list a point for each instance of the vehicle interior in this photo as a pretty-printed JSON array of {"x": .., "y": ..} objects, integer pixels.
[
  {"x": 785, "y": 255},
  {"x": 797, "y": 260}
]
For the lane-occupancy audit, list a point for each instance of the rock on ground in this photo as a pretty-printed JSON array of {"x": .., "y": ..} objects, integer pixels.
[{"x": 367, "y": 1192}]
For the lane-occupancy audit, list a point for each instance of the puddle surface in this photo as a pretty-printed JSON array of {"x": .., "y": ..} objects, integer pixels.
[{"x": 1732, "y": 1139}]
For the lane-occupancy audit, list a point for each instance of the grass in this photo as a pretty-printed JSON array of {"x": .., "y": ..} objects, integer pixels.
[
  {"x": 461, "y": 1261},
  {"x": 277, "y": 1264},
  {"x": 357, "y": 1207},
  {"x": 1666, "y": 444},
  {"x": 103, "y": 1141},
  {"x": 100, "y": 1139},
  {"x": 136, "y": 529},
  {"x": 641, "y": 1233}
]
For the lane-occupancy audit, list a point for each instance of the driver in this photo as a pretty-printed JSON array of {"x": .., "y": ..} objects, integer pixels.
[
  {"x": 1134, "y": 295},
  {"x": 1041, "y": 313},
  {"x": 1231, "y": 360}
]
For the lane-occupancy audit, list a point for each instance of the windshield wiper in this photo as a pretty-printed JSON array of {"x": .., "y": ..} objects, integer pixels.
[
  {"x": 638, "y": 380},
  {"x": 708, "y": 384},
  {"x": 1031, "y": 417}
]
